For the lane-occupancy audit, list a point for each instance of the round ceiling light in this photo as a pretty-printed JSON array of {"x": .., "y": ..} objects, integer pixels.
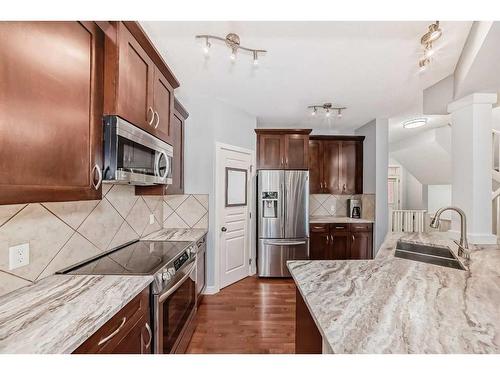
[{"x": 415, "y": 123}]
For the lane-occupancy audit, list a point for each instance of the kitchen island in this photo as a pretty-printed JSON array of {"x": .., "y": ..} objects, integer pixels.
[{"x": 393, "y": 305}]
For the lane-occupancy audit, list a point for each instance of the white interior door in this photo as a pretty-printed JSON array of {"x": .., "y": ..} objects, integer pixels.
[{"x": 233, "y": 189}]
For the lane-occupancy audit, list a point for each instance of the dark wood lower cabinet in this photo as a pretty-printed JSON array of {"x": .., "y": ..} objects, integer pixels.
[
  {"x": 308, "y": 340},
  {"x": 341, "y": 241},
  {"x": 128, "y": 332}
]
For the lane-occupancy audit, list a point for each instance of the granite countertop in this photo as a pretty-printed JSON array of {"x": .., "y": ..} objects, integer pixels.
[
  {"x": 192, "y": 234},
  {"x": 337, "y": 219},
  {"x": 393, "y": 305},
  {"x": 57, "y": 314}
]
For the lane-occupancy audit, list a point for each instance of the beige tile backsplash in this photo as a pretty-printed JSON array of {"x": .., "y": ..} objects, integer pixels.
[
  {"x": 336, "y": 205},
  {"x": 61, "y": 234},
  {"x": 185, "y": 211}
]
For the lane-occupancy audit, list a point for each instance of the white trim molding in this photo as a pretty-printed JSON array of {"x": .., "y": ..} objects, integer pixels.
[{"x": 476, "y": 98}]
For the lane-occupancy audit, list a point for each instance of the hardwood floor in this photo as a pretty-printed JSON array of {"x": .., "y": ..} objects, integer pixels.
[{"x": 251, "y": 316}]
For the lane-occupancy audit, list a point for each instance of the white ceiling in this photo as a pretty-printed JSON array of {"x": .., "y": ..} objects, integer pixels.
[
  {"x": 369, "y": 67},
  {"x": 398, "y": 133}
]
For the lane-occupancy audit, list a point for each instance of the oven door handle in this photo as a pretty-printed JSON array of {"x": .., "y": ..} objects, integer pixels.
[{"x": 176, "y": 286}]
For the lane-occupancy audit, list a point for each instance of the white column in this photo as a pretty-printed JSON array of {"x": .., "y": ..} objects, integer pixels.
[{"x": 471, "y": 126}]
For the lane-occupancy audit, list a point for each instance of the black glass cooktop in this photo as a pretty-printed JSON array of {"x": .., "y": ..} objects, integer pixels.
[{"x": 137, "y": 258}]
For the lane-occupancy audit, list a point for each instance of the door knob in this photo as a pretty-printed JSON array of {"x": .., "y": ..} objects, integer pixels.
[{"x": 223, "y": 229}]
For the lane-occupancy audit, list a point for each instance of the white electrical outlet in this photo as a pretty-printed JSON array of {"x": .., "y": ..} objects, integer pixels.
[
  {"x": 19, "y": 256},
  {"x": 151, "y": 219}
]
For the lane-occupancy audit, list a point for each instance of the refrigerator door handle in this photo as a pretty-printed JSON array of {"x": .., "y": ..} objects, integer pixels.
[
  {"x": 282, "y": 209},
  {"x": 285, "y": 243}
]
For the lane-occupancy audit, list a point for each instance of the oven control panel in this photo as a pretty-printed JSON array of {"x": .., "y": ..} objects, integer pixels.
[{"x": 181, "y": 259}]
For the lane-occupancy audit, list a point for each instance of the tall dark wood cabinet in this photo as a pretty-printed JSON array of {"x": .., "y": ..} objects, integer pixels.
[
  {"x": 337, "y": 162},
  {"x": 51, "y": 100},
  {"x": 341, "y": 241},
  {"x": 282, "y": 148}
]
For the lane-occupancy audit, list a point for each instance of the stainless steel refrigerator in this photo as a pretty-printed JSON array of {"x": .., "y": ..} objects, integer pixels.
[{"x": 283, "y": 212}]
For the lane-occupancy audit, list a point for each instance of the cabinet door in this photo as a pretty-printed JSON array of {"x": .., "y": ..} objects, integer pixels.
[
  {"x": 296, "y": 151},
  {"x": 163, "y": 107},
  {"x": 271, "y": 151},
  {"x": 177, "y": 138},
  {"x": 331, "y": 167},
  {"x": 315, "y": 167},
  {"x": 340, "y": 242},
  {"x": 319, "y": 241},
  {"x": 361, "y": 245},
  {"x": 351, "y": 168},
  {"x": 135, "y": 81},
  {"x": 137, "y": 341},
  {"x": 51, "y": 97}
]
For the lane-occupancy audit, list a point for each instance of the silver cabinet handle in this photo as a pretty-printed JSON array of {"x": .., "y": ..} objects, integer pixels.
[
  {"x": 99, "y": 174},
  {"x": 150, "y": 122},
  {"x": 150, "y": 336},
  {"x": 286, "y": 161},
  {"x": 339, "y": 227},
  {"x": 327, "y": 239},
  {"x": 157, "y": 119},
  {"x": 115, "y": 332},
  {"x": 343, "y": 187},
  {"x": 352, "y": 237}
]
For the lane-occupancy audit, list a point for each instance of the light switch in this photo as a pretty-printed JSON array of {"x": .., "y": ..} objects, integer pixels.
[
  {"x": 151, "y": 219},
  {"x": 19, "y": 256}
]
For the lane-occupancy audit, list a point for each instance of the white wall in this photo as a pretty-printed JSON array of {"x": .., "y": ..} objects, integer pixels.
[
  {"x": 210, "y": 121},
  {"x": 375, "y": 170},
  {"x": 438, "y": 196}
]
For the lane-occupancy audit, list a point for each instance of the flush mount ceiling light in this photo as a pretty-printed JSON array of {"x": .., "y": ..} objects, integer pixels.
[
  {"x": 328, "y": 108},
  {"x": 415, "y": 123},
  {"x": 233, "y": 43},
  {"x": 432, "y": 35}
]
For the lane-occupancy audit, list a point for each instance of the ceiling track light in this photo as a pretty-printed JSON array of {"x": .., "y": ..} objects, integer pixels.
[
  {"x": 233, "y": 42},
  {"x": 432, "y": 35},
  {"x": 328, "y": 108}
]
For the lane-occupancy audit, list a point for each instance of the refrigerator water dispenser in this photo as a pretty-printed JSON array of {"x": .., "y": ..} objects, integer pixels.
[{"x": 270, "y": 204}]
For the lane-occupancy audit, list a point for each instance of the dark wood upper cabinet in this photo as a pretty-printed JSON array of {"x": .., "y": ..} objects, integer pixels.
[
  {"x": 331, "y": 167},
  {"x": 139, "y": 86},
  {"x": 136, "y": 77},
  {"x": 296, "y": 151},
  {"x": 315, "y": 167},
  {"x": 163, "y": 103},
  {"x": 341, "y": 241},
  {"x": 336, "y": 164},
  {"x": 51, "y": 106},
  {"x": 270, "y": 151},
  {"x": 282, "y": 148}
]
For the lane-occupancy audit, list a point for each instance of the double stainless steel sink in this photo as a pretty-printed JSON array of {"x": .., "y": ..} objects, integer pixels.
[{"x": 440, "y": 256}]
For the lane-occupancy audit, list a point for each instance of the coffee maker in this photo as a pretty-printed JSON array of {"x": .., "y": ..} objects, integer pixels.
[{"x": 354, "y": 208}]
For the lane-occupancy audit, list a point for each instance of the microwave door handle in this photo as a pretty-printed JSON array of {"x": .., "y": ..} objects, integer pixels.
[{"x": 171, "y": 290}]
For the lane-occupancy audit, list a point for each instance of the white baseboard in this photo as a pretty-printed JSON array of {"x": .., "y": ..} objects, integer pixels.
[{"x": 211, "y": 289}]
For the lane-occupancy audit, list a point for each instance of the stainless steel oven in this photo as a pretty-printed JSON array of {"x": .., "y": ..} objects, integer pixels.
[
  {"x": 174, "y": 307},
  {"x": 133, "y": 156}
]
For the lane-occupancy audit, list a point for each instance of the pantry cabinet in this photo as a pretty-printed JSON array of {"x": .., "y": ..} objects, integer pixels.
[
  {"x": 51, "y": 105},
  {"x": 338, "y": 241},
  {"x": 336, "y": 164},
  {"x": 282, "y": 148}
]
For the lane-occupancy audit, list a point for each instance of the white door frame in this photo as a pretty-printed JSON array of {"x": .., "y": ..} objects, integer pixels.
[{"x": 219, "y": 197}]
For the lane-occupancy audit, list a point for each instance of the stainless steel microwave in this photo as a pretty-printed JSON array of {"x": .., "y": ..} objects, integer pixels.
[{"x": 132, "y": 156}]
